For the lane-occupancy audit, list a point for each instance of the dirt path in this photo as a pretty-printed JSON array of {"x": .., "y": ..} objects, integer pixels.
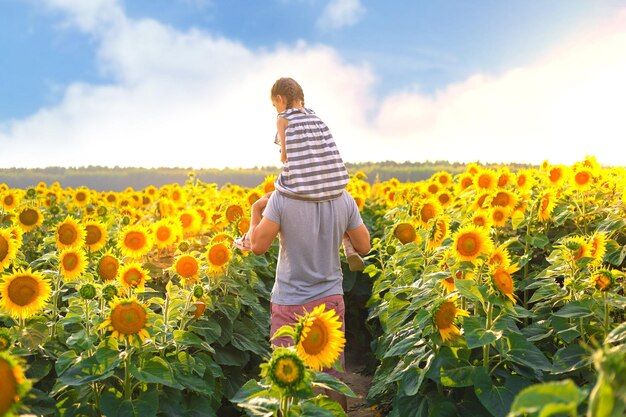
[{"x": 360, "y": 384}]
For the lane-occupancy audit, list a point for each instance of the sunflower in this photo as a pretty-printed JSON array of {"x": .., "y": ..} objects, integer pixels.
[
  {"x": 133, "y": 275},
  {"x": 166, "y": 232},
  {"x": 443, "y": 316},
  {"x": 505, "y": 177},
  {"x": 14, "y": 384},
  {"x": 582, "y": 179},
  {"x": 81, "y": 197},
  {"x": 504, "y": 199},
  {"x": 428, "y": 210},
  {"x": 187, "y": 267},
  {"x": 268, "y": 184},
  {"x": 480, "y": 201},
  {"x": 603, "y": 279},
  {"x": 135, "y": 241},
  {"x": 444, "y": 178},
  {"x": 8, "y": 248},
  {"x": 5, "y": 340},
  {"x": 557, "y": 175},
  {"x": 578, "y": 248},
  {"x": 70, "y": 234},
  {"x": 405, "y": 233},
  {"x": 503, "y": 281},
  {"x": 218, "y": 255},
  {"x": 438, "y": 232},
  {"x": 546, "y": 206},
  {"x": 190, "y": 221},
  {"x": 499, "y": 256},
  {"x": 433, "y": 188},
  {"x": 470, "y": 242},
  {"x": 10, "y": 200},
  {"x": 128, "y": 320},
  {"x": 72, "y": 263},
  {"x": 108, "y": 266},
  {"x": 96, "y": 235},
  {"x": 285, "y": 370},
  {"x": 243, "y": 226},
  {"x": 24, "y": 293},
  {"x": 222, "y": 237},
  {"x": 253, "y": 196},
  {"x": 233, "y": 212},
  {"x": 464, "y": 182},
  {"x": 29, "y": 218},
  {"x": 486, "y": 180},
  {"x": 499, "y": 216},
  {"x": 598, "y": 245},
  {"x": 320, "y": 339},
  {"x": 445, "y": 198},
  {"x": 482, "y": 219},
  {"x": 524, "y": 180}
]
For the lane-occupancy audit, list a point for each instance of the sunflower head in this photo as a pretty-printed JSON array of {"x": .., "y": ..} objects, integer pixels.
[
  {"x": 187, "y": 266},
  {"x": 405, "y": 233},
  {"x": 502, "y": 281},
  {"x": 470, "y": 242},
  {"x": 319, "y": 338},
  {"x": 109, "y": 292},
  {"x": 444, "y": 314},
  {"x": 546, "y": 206},
  {"x": 603, "y": 280},
  {"x": 286, "y": 371},
  {"x": 166, "y": 232},
  {"x": 24, "y": 293},
  {"x": 218, "y": 256},
  {"x": 70, "y": 234},
  {"x": 5, "y": 340},
  {"x": 135, "y": 241},
  {"x": 108, "y": 266},
  {"x": 96, "y": 235},
  {"x": 8, "y": 248},
  {"x": 133, "y": 275},
  {"x": 598, "y": 247},
  {"x": 128, "y": 320},
  {"x": 87, "y": 291},
  {"x": 439, "y": 230},
  {"x": 14, "y": 384},
  {"x": 29, "y": 218},
  {"x": 72, "y": 263},
  {"x": 578, "y": 248}
]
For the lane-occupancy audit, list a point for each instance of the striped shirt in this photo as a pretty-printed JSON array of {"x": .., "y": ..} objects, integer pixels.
[{"x": 314, "y": 170}]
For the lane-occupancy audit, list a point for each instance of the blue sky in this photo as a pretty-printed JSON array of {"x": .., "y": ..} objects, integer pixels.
[{"x": 186, "y": 82}]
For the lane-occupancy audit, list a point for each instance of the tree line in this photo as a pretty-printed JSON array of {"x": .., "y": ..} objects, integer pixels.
[{"x": 102, "y": 178}]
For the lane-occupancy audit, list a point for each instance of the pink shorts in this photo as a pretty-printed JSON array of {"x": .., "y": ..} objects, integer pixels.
[{"x": 287, "y": 315}]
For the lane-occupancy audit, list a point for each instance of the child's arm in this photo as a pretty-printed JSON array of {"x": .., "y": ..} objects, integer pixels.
[{"x": 281, "y": 126}]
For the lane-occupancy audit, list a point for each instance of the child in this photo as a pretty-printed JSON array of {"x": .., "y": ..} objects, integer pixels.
[{"x": 312, "y": 167}]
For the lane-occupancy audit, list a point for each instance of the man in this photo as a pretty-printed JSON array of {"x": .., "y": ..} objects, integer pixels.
[{"x": 308, "y": 272}]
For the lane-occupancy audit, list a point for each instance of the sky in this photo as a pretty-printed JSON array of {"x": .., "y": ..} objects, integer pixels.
[{"x": 186, "y": 83}]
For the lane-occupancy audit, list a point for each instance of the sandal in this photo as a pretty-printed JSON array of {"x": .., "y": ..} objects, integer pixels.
[{"x": 242, "y": 243}]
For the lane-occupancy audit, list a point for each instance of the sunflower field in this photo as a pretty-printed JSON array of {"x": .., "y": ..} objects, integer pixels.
[{"x": 489, "y": 292}]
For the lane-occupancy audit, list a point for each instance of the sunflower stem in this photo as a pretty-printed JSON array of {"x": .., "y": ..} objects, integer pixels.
[
  {"x": 128, "y": 388},
  {"x": 606, "y": 315},
  {"x": 488, "y": 314}
]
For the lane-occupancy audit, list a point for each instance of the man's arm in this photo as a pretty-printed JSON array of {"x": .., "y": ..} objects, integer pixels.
[
  {"x": 360, "y": 239},
  {"x": 262, "y": 231}
]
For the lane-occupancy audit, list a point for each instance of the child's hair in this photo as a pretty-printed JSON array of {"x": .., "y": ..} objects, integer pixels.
[{"x": 288, "y": 88}]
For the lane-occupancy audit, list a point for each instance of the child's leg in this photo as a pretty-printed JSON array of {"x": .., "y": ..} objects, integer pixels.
[{"x": 355, "y": 262}]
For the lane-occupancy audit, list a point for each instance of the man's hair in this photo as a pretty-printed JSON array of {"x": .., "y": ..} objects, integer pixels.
[{"x": 288, "y": 88}]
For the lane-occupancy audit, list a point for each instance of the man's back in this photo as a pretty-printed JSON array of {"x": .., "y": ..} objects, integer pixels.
[{"x": 310, "y": 237}]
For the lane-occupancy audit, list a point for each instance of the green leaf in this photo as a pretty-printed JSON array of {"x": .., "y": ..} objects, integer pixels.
[
  {"x": 249, "y": 390},
  {"x": 553, "y": 397},
  {"x": 616, "y": 335},
  {"x": 98, "y": 367},
  {"x": 497, "y": 399},
  {"x": 146, "y": 405},
  {"x": 577, "y": 309},
  {"x": 470, "y": 290},
  {"x": 476, "y": 335},
  {"x": 539, "y": 241},
  {"x": 327, "y": 381},
  {"x": 570, "y": 358},
  {"x": 156, "y": 371},
  {"x": 230, "y": 356},
  {"x": 611, "y": 224},
  {"x": 185, "y": 338},
  {"x": 526, "y": 353},
  {"x": 321, "y": 406},
  {"x": 246, "y": 336},
  {"x": 209, "y": 329},
  {"x": 615, "y": 253}
]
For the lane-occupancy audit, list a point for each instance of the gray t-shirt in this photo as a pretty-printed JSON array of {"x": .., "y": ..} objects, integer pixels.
[{"x": 310, "y": 237}]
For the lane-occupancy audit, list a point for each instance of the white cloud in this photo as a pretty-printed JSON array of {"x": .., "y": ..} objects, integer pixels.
[
  {"x": 191, "y": 99},
  {"x": 340, "y": 13}
]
